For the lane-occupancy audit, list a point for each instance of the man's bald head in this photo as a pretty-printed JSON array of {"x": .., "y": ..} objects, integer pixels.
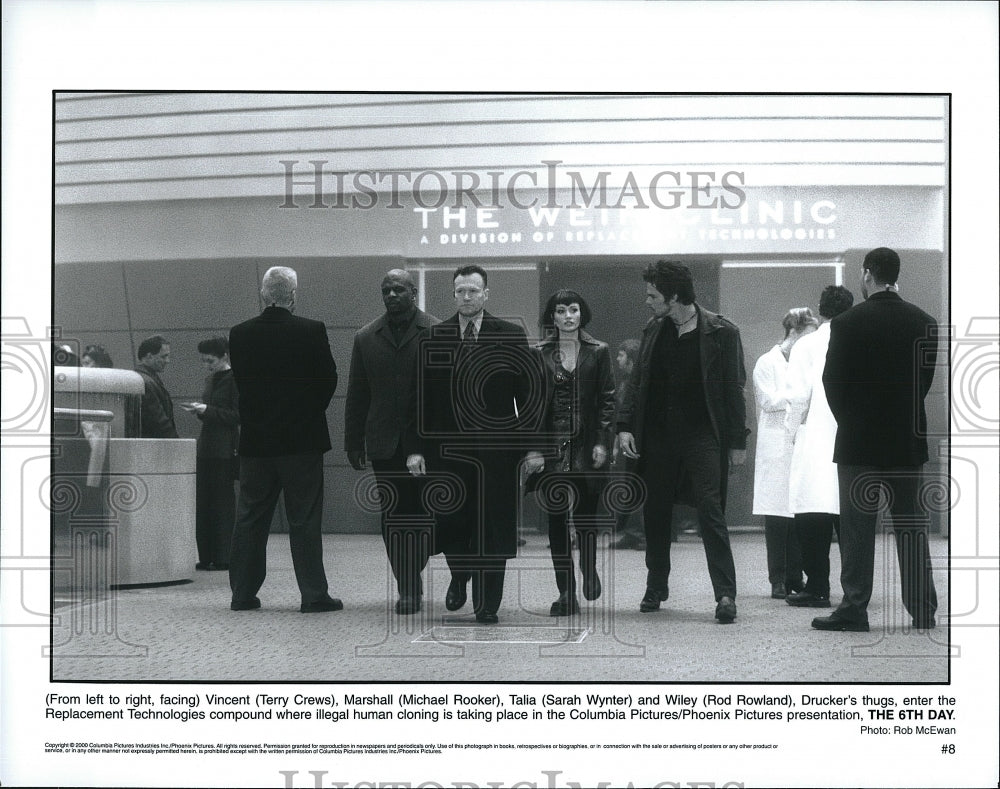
[{"x": 399, "y": 291}]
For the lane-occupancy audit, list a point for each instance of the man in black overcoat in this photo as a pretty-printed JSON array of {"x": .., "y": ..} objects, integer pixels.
[
  {"x": 381, "y": 404},
  {"x": 479, "y": 412},
  {"x": 684, "y": 416},
  {"x": 286, "y": 377},
  {"x": 879, "y": 368}
]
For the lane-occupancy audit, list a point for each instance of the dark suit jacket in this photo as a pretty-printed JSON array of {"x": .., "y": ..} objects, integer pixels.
[
  {"x": 595, "y": 392},
  {"x": 157, "y": 409},
  {"x": 220, "y": 424},
  {"x": 879, "y": 368},
  {"x": 723, "y": 377},
  {"x": 469, "y": 394},
  {"x": 468, "y": 426},
  {"x": 381, "y": 391},
  {"x": 286, "y": 378}
]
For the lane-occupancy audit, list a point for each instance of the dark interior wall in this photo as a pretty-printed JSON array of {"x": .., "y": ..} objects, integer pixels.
[
  {"x": 616, "y": 292},
  {"x": 513, "y": 292},
  {"x": 118, "y": 304}
]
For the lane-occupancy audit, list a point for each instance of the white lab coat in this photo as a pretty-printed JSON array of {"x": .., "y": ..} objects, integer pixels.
[
  {"x": 773, "y": 458},
  {"x": 812, "y": 485}
]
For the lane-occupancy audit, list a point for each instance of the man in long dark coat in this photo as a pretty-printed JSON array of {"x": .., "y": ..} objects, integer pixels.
[
  {"x": 479, "y": 407},
  {"x": 381, "y": 404}
]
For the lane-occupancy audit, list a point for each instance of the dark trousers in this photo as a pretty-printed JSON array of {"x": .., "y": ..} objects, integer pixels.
[
  {"x": 487, "y": 575},
  {"x": 626, "y": 523},
  {"x": 582, "y": 506},
  {"x": 784, "y": 556},
  {"x": 215, "y": 503},
  {"x": 859, "y": 505},
  {"x": 698, "y": 453},
  {"x": 300, "y": 477},
  {"x": 815, "y": 534},
  {"x": 405, "y": 529}
]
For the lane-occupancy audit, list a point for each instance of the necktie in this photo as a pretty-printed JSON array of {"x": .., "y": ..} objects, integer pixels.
[{"x": 470, "y": 332}]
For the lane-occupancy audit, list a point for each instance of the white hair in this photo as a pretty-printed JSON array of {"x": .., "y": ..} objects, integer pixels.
[{"x": 278, "y": 286}]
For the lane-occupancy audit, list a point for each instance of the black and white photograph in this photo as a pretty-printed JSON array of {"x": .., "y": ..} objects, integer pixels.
[
  {"x": 446, "y": 432},
  {"x": 292, "y": 275}
]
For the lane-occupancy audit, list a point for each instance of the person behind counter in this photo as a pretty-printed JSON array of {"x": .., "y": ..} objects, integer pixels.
[{"x": 218, "y": 411}]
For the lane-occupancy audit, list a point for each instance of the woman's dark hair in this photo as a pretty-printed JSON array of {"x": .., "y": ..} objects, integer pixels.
[
  {"x": 99, "y": 356},
  {"x": 563, "y": 296},
  {"x": 214, "y": 346},
  {"x": 671, "y": 278}
]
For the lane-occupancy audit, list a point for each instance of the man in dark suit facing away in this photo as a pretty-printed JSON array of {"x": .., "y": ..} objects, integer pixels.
[
  {"x": 479, "y": 411},
  {"x": 381, "y": 403},
  {"x": 879, "y": 368},
  {"x": 286, "y": 377}
]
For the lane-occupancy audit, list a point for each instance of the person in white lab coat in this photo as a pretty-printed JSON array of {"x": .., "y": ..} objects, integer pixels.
[
  {"x": 773, "y": 459},
  {"x": 813, "y": 489}
]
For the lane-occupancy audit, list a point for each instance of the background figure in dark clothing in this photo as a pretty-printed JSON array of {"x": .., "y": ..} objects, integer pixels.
[
  {"x": 628, "y": 525},
  {"x": 773, "y": 459},
  {"x": 579, "y": 411},
  {"x": 813, "y": 492},
  {"x": 479, "y": 409},
  {"x": 381, "y": 403},
  {"x": 218, "y": 411},
  {"x": 157, "y": 409},
  {"x": 879, "y": 369},
  {"x": 684, "y": 410},
  {"x": 95, "y": 356},
  {"x": 286, "y": 378}
]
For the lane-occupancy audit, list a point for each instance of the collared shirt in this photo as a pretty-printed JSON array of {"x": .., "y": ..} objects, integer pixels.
[{"x": 463, "y": 322}]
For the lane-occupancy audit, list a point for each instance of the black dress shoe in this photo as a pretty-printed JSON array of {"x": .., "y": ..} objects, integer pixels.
[
  {"x": 808, "y": 600},
  {"x": 839, "y": 623},
  {"x": 778, "y": 591},
  {"x": 566, "y": 605},
  {"x": 725, "y": 610},
  {"x": 319, "y": 606},
  {"x": 456, "y": 596},
  {"x": 245, "y": 605},
  {"x": 407, "y": 604},
  {"x": 651, "y": 600},
  {"x": 203, "y": 566},
  {"x": 487, "y": 618},
  {"x": 591, "y": 584}
]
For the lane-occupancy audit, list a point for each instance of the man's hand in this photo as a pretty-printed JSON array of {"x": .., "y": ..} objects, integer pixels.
[
  {"x": 600, "y": 455},
  {"x": 195, "y": 407},
  {"x": 415, "y": 463},
  {"x": 534, "y": 461},
  {"x": 356, "y": 457},
  {"x": 627, "y": 443},
  {"x": 737, "y": 457}
]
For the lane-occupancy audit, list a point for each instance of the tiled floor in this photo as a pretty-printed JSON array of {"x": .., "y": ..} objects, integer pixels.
[{"x": 187, "y": 632}]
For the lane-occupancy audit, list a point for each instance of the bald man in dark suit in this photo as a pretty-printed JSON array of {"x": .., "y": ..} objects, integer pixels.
[{"x": 380, "y": 405}]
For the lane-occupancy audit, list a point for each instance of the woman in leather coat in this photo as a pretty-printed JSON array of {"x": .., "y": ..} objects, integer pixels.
[{"x": 579, "y": 391}]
